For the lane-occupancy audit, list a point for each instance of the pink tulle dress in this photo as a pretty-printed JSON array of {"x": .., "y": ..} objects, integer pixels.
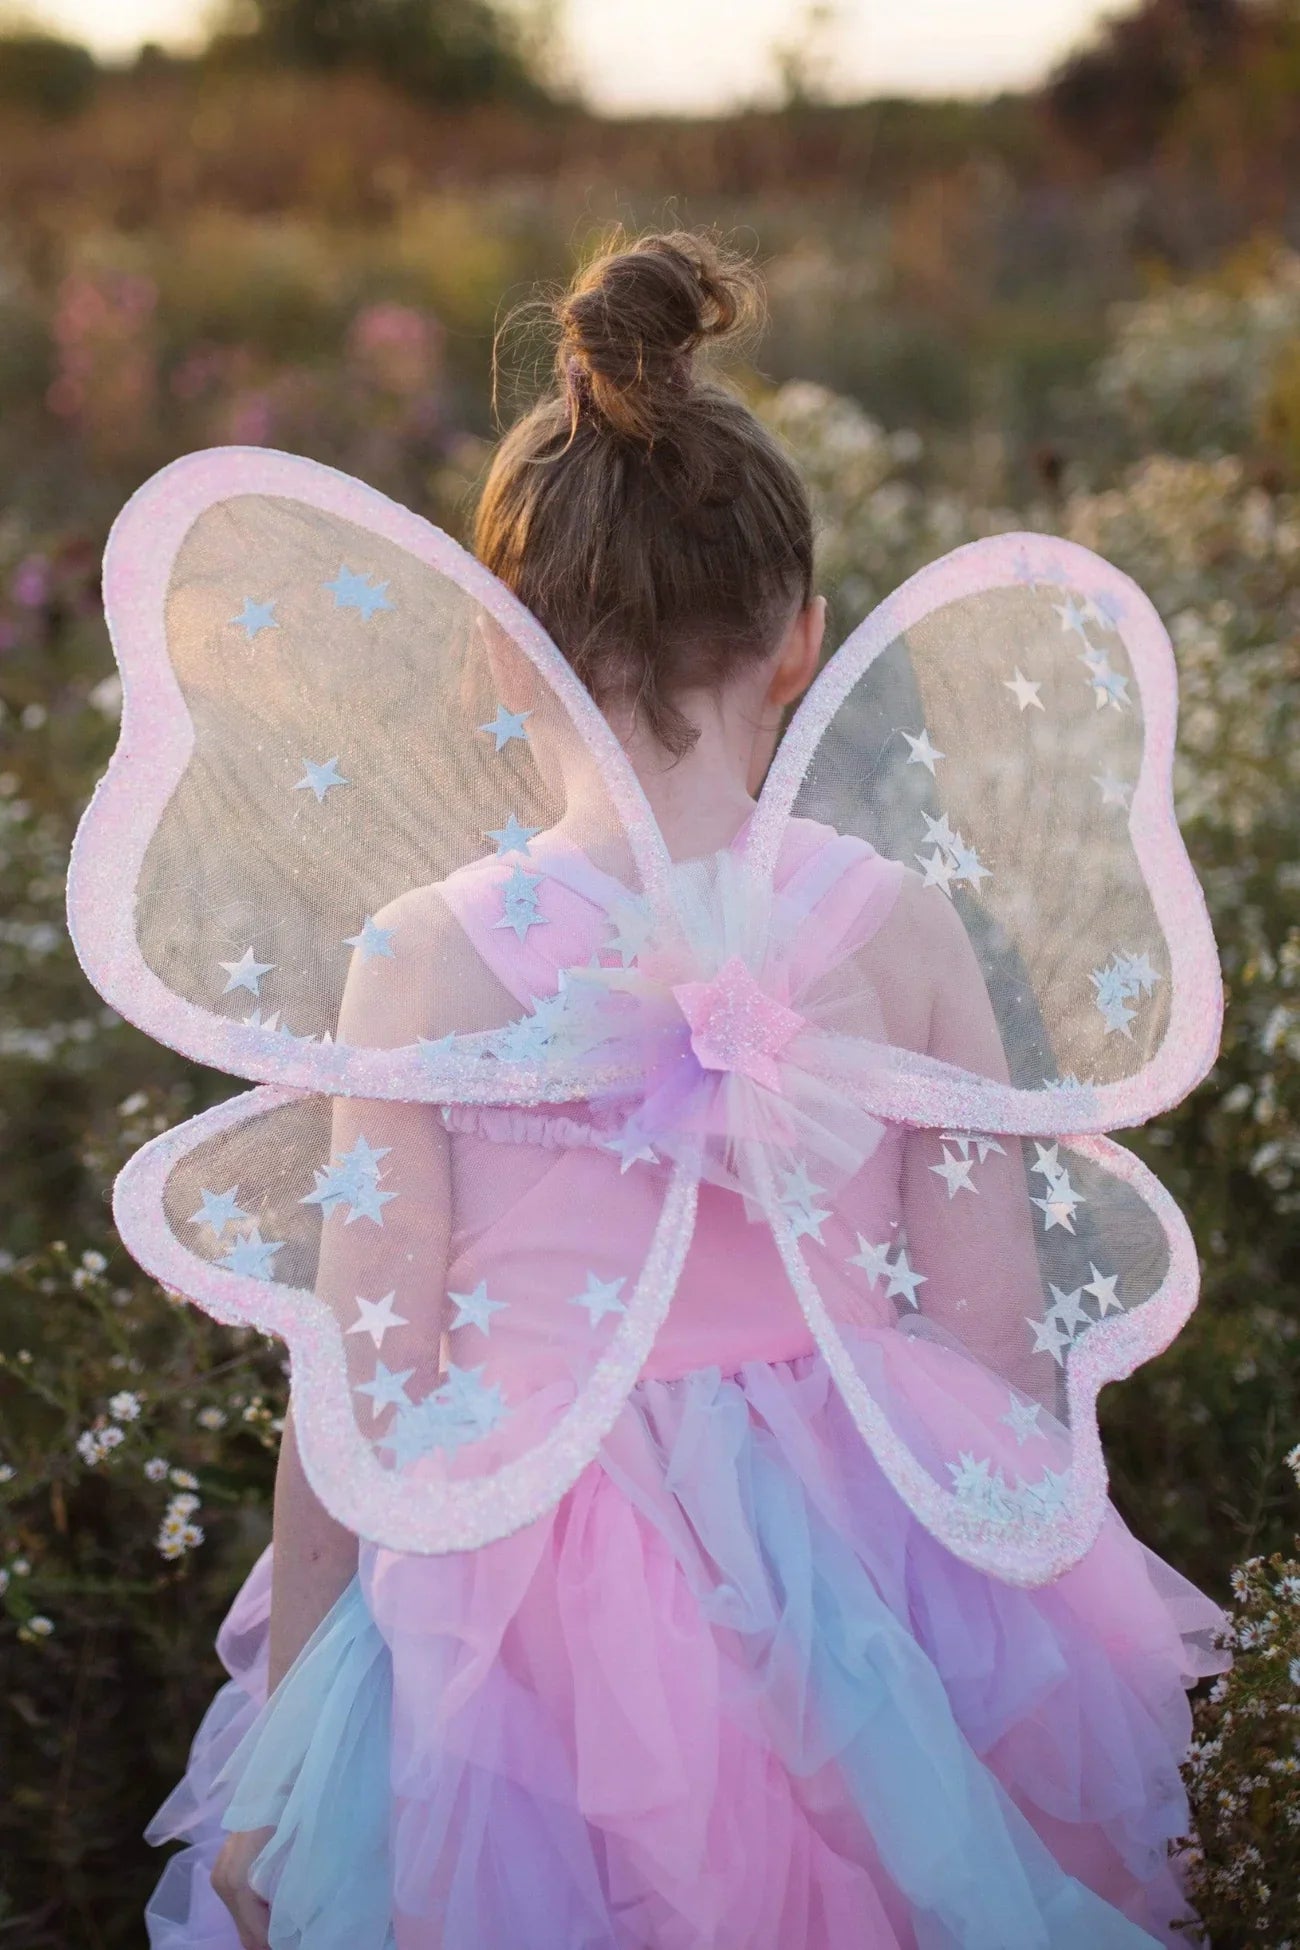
[{"x": 729, "y": 1694}]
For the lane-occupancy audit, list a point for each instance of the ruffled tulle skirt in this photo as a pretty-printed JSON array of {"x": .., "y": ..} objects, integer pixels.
[{"x": 728, "y": 1695}]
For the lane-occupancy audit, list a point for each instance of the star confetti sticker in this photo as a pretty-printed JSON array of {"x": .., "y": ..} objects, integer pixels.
[
  {"x": 1060, "y": 1204},
  {"x": 1022, "y": 1419},
  {"x": 873, "y": 1259},
  {"x": 955, "y": 1173},
  {"x": 475, "y": 1309},
  {"x": 520, "y": 903},
  {"x": 631, "y": 1147},
  {"x": 1074, "y": 616},
  {"x": 254, "y": 617},
  {"x": 1025, "y": 692},
  {"x": 387, "y": 1390},
  {"x": 512, "y": 837},
  {"x": 903, "y": 1280},
  {"x": 372, "y": 940},
  {"x": 1102, "y": 1288},
  {"x": 922, "y": 752},
  {"x": 359, "y": 593},
  {"x": 375, "y": 1317},
  {"x": 1114, "y": 791},
  {"x": 219, "y": 1210},
  {"x": 505, "y": 726},
  {"x": 251, "y": 1255},
  {"x": 600, "y": 1297},
  {"x": 1068, "y": 1308},
  {"x": 318, "y": 778},
  {"x": 1049, "y": 1338},
  {"x": 246, "y": 973},
  {"x": 940, "y": 871}
]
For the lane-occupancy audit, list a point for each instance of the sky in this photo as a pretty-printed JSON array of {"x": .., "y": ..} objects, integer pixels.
[{"x": 691, "y": 55}]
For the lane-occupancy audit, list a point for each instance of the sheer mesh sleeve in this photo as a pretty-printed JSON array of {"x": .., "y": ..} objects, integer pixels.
[
  {"x": 382, "y": 1260},
  {"x": 982, "y": 1279}
]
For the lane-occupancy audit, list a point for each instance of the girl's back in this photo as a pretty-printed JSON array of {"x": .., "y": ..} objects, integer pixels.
[{"x": 712, "y": 1679}]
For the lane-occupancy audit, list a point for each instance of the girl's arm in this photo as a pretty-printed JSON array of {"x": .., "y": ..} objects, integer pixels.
[
  {"x": 312, "y": 1563},
  {"x": 976, "y": 1247},
  {"x": 385, "y": 1005},
  {"x": 315, "y": 1556}
]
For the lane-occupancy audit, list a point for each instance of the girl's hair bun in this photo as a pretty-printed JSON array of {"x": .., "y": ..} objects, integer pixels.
[{"x": 632, "y": 321}]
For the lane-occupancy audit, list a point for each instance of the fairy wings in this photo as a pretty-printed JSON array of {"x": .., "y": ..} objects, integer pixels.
[{"x": 350, "y": 845}]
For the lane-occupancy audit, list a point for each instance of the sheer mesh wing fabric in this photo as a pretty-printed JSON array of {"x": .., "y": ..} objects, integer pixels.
[
  {"x": 1004, "y": 727},
  {"x": 341, "y": 850}
]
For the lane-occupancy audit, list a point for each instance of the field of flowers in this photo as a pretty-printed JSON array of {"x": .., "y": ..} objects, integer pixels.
[{"x": 139, "y": 1440}]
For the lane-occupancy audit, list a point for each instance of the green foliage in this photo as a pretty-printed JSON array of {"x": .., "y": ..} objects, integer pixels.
[
  {"x": 44, "y": 74},
  {"x": 452, "y": 51},
  {"x": 1243, "y": 1771},
  {"x": 366, "y": 344}
]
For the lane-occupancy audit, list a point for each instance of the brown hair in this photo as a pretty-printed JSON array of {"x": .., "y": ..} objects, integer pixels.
[{"x": 643, "y": 514}]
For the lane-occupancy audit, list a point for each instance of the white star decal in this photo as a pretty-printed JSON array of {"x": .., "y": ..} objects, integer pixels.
[
  {"x": 939, "y": 871},
  {"x": 956, "y": 1174},
  {"x": 246, "y": 973},
  {"x": 1102, "y": 1289},
  {"x": 376, "y": 1317},
  {"x": 600, "y": 1297},
  {"x": 1049, "y": 1338},
  {"x": 922, "y": 752},
  {"x": 903, "y": 1280},
  {"x": 1022, "y": 1419},
  {"x": 874, "y": 1260},
  {"x": 1114, "y": 791},
  {"x": 387, "y": 1389},
  {"x": 1025, "y": 692},
  {"x": 1067, "y": 1308}
]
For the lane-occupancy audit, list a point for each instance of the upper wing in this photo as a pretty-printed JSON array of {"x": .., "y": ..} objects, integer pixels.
[
  {"x": 1004, "y": 724},
  {"x": 328, "y": 707}
]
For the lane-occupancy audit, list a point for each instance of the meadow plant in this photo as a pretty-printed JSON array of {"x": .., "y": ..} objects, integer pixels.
[{"x": 139, "y": 1437}]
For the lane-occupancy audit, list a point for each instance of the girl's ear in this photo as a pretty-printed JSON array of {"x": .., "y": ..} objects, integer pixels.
[
  {"x": 797, "y": 663},
  {"x": 794, "y": 670}
]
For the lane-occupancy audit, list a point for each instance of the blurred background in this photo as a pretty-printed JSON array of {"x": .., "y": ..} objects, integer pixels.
[{"x": 1029, "y": 263}]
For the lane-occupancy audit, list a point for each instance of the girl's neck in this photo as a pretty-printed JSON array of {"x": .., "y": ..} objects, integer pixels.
[{"x": 701, "y": 800}]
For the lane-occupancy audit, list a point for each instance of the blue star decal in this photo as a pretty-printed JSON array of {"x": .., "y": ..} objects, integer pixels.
[
  {"x": 512, "y": 837},
  {"x": 600, "y": 1297},
  {"x": 254, "y": 617},
  {"x": 251, "y": 1255},
  {"x": 372, "y": 940},
  {"x": 475, "y": 1309},
  {"x": 387, "y": 1389},
  {"x": 519, "y": 896},
  {"x": 318, "y": 778},
  {"x": 432, "y": 1047},
  {"x": 352, "y": 1180},
  {"x": 218, "y": 1210},
  {"x": 418, "y": 1427},
  {"x": 246, "y": 973},
  {"x": 505, "y": 726},
  {"x": 358, "y": 592},
  {"x": 479, "y": 1405}
]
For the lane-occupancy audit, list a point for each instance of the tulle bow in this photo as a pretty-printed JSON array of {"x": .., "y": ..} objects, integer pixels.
[{"x": 718, "y": 1018}]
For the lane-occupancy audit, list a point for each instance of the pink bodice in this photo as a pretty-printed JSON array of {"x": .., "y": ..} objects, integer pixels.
[{"x": 544, "y": 1209}]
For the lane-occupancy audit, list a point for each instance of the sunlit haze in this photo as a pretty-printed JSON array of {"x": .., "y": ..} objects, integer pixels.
[{"x": 684, "y": 55}]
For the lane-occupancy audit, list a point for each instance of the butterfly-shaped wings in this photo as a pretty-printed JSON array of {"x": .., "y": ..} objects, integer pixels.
[{"x": 368, "y": 841}]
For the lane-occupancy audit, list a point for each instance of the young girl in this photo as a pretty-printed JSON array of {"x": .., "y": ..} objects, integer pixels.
[{"x": 728, "y": 1691}]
